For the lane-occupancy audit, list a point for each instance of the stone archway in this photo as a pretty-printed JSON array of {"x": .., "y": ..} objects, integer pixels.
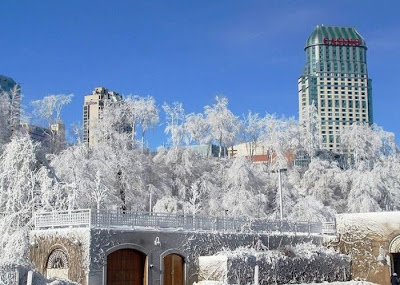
[
  {"x": 394, "y": 250},
  {"x": 57, "y": 264}
]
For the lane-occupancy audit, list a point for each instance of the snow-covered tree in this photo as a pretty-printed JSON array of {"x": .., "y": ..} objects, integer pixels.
[
  {"x": 366, "y": 191},
  {"x": 367, "y": 144},
  {"x": 323, "y": 182},
  {"x": 140, "y": 111},
  {"x": 175, "y": 117},
  {"x": 147, "y": 114},
  {"x": 49, "y": 108},
  {"x": 198, "y": 128},
  {"x": 253, "y": 128},
  {"x": 23, "y": 190},
  {"x": 10, "y": 112},
  {"x": 310, "y": 209},
  {"x": 5, "y": 127},
  {"x": 241, "y": 189},
  {"x": 310, "y": 138},
  {"x": 224, "y": 125},
  {"x": 280, "y": 139},
  {"x": 166, "y": 205}
]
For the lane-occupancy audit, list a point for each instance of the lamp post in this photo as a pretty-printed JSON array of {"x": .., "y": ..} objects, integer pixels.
[
  {"x": 280, "y": 191},
  {"x": 150, "y": 210},
  {"x": 225, "y": 214}
]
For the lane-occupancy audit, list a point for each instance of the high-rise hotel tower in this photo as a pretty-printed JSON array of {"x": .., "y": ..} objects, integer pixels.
[
  {"x": 92, "y": 112},
  {"x": 12, "y": 90},
  {"x": 335, "y": 79}
]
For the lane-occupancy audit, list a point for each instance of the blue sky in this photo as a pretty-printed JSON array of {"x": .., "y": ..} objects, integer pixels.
[{"x": 190, "y": 51}]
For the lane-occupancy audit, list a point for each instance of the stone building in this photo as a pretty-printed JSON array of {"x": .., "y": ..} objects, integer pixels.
[
  {"x": 373, "y": 242},
  {"x": 96, "y": 248}
]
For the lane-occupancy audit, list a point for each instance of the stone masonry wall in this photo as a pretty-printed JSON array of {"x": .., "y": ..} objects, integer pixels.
[
  {"x": 367, "y": 237},
  {"x": 74, "y": 242}
]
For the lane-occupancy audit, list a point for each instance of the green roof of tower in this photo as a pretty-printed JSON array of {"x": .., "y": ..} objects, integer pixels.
[
  {"x": 6, "y": 83},
  {"x": 328, "y": 32}
]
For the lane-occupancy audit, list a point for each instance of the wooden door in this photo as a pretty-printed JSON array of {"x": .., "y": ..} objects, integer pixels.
[
  {"x": 125, "y": 267},
  {"x": 173, "y": 270}
]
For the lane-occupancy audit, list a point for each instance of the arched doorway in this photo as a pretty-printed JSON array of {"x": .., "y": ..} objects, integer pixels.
[
  {"x": 394, "y": 249},
  {"x": 126, "y": 267},
  {"x": 57, "y": 264},
  {"x": 173, "y": 270}
]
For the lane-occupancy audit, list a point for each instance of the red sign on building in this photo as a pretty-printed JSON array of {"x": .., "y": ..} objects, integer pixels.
[{"x": 342, "y": 42}]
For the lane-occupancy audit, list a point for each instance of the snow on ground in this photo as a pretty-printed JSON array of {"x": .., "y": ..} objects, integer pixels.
[
  {"x": 378, "y": 222},
  {"x": 334, "y": 283},
  {"x": 61, "y": 282},
  {"x": 344, "y": 283}
]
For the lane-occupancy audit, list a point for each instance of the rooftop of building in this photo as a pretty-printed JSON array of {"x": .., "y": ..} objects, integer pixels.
[
  {"x": 105, "y": 93},
  {"x": 343, "y": 34},
  {"x": 6, "y": 83}
]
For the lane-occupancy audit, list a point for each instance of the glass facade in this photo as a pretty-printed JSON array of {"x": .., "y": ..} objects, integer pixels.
[{"x": 335, "y": 79}]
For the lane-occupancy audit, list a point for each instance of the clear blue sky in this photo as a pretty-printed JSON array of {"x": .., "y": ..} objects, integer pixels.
[{"x": 190, "y": 51}]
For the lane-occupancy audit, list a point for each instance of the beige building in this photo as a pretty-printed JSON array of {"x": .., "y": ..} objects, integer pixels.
[
  {"x": 335, "y": 79},
  {"x": 92, "y": 109},
  {"x": 247, "y": 149},
  {"x": 259, "y": 153}
]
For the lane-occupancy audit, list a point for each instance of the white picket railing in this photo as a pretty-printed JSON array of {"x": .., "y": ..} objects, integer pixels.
[
  {"x": 129, "y": 220},
  {"x": 57, "y": 219},
  {"x": 329, "y": 228}
]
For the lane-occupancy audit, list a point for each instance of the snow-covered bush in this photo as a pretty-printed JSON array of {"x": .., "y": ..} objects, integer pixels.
[
  {"x": 166, "y": 205},
  {"x": 304, "y": 263}
]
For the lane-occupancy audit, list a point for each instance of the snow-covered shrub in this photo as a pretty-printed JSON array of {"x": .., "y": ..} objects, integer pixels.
[
  {"x": 166, "y": 205},
  {"x": 303, "y": 263}
]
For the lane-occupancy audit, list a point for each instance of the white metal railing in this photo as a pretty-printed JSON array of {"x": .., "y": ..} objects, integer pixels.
[
  {"x": 129, "y": 220},
  {"x": 329, "y": 228},
  {"x": 73, "y": 218}
]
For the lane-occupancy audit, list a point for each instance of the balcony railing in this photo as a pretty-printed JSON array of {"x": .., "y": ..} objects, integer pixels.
[{"x": 134, "y": 220}]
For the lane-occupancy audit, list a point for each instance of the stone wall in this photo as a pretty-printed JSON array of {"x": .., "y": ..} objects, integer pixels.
[
  {"x": 73, "y": 242},
  {"x": 367, "y": 238},
  {"x": 87, "y": 249}
]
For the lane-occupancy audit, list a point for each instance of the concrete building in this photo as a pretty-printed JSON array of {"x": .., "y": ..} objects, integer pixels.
[
  {"x": 92, "y": 109},
  {"x": 208, "y": 150},
  {"x": 12, "y": 90},
  {"x": 52, "y": 139},
  {"x": 335, "y": 79},
  {"x": 260, "y": 153}
]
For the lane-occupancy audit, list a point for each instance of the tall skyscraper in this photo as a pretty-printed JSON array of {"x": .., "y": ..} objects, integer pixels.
[
  {"x": 11, "y": 92},
  {"x": 335, "y": 79},
  {"x": 92, "y": 109}
]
